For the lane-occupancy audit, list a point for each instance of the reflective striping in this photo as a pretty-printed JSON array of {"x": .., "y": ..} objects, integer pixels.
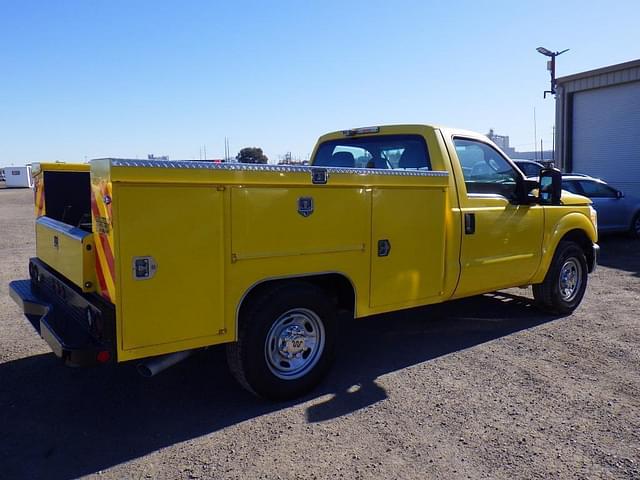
[
  {"x": 39, "y": 196},
  {"x": 248, "y": 167},
  {"x": 105, "y": 264},
  {"x": 102, "y": 284}
]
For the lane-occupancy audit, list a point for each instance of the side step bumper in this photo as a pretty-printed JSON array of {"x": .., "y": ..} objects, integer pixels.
[{"x": 57, "y": 326}]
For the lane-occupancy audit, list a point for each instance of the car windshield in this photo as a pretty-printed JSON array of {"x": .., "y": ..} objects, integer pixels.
[
  {"x": 529, "y": 169},
  {"x": 382, "y": 151}
]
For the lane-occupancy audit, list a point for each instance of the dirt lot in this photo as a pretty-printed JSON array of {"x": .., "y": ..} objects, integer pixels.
[{"x": 482, "y": 388}]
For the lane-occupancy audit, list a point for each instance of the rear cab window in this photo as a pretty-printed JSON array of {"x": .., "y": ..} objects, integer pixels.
[{"x": 382, "y": 151}]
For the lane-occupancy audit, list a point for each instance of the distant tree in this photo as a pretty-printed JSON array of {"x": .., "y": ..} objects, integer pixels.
[{"x": 251, "y": 155}]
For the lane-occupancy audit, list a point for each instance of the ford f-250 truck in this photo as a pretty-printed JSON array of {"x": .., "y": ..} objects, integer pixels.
[{"x": 151, "y": 260}]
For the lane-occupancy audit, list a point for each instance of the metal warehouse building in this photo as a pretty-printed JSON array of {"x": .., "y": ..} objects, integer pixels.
[{"x": 598, "y": 124}]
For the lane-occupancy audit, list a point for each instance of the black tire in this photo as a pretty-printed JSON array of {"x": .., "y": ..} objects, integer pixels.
[
  {"x": 301, "y": 312},
  {"x": 634, "y": 230},
  {"x": 569, "y": 261}
]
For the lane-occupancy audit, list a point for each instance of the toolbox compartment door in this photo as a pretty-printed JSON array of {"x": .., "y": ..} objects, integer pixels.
[
  {"x": 174, "y": 233},
  {"x": 68, "y": 250},
  {"x": 407, "y": 246}
]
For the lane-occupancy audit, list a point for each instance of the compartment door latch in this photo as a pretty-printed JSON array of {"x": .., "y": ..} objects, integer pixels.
[{"x": 144, "y": 268}]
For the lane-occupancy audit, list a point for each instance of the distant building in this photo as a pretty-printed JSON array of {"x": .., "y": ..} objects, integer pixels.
[
  {"x": 288, "y": 159},
  {"x": 598, "y": 124},
  {"x": 501, "y": 141},
  {"x": 18, "y": 177},
  {"x": 151, "y": 156}
]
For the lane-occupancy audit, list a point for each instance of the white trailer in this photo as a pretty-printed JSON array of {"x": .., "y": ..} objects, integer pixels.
[{"x": 18, "y": 177}]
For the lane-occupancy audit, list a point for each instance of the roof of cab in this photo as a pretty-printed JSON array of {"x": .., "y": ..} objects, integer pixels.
[
  {"x": 375, "y": 130},
  {"x": 398, "y": 130}
]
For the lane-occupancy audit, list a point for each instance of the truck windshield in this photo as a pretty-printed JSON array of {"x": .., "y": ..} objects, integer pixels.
[{"x": 381, "y": 151}]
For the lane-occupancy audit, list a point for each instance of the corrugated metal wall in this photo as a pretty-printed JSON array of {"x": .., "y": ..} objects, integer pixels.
[{"x": 606, "y": 135}]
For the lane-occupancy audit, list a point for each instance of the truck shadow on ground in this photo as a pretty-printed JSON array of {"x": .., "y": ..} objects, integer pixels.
[
  {"x": 620, "y": 252},
  {"x": 64, "y": 423}
]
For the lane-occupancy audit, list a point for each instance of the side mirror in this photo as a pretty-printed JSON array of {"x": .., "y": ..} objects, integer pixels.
[
  {"x": 550, "y": 186},
  {"x": 530, "y": 185},
  {"x": 619, "y": 194}
]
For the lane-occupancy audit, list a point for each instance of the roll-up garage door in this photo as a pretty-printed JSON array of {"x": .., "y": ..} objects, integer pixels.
[{"x": 606, "y": 135}]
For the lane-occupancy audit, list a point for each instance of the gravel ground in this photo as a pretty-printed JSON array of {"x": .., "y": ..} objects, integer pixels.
[{"x": 486, "y": 387}]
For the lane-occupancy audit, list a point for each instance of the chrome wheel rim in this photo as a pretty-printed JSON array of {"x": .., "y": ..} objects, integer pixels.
[
  {"x": 294, "y": 344},
  {"x": 570, "y": 279}
]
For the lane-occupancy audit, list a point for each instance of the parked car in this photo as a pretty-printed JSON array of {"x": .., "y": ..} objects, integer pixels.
[
  {"x": 617, "y": 212},
  {"x": 530, "y": 168}
]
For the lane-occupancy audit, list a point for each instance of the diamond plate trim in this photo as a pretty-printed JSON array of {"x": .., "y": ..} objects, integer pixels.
[{"x": 248, "y": 167}]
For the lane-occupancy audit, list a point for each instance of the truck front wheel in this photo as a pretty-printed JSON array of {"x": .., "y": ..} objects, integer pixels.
[
  {"x": 285, "y": 341},
  {"x": 635, "y": 226},
  {"x": 566, "y": 281}
]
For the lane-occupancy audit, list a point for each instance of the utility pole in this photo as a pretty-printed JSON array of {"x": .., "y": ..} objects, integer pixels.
[
  {"x": 553, "y": 144},
  {"x": 226, "y": 149},
  {"x": 535, "y": 135}
]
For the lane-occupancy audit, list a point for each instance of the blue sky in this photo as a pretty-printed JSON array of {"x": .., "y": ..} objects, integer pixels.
[{"x": 87, "y": 79}]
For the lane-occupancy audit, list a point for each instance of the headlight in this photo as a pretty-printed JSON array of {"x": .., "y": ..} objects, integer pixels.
[{"x": 594, "y": 217}]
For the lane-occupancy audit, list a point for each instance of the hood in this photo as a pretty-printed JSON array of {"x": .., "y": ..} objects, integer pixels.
[{"x": 568, "y": 198}]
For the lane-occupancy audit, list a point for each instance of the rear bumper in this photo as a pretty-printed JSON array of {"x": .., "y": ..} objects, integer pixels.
[{"x": 78, "y": 329}]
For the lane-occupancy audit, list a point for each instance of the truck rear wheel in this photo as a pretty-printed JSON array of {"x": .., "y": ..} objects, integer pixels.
[
  {"x": 566, "y": 281},
  {"x": 285, "y": 341}
]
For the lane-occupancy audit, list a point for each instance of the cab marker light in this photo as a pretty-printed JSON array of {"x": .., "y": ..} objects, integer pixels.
[{"x": 360, "y": 131}]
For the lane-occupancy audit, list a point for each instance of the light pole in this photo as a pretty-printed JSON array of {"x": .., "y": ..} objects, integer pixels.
[{"x": 551, "y": 66}]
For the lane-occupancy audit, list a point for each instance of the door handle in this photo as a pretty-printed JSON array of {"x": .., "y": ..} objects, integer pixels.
[
  {"x": 384, "y": 247},
  {"x": 469, "y": 223}
]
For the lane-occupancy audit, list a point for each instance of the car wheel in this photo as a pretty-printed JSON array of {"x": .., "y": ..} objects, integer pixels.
[
  {"x": 635, "y": 226},
  {"x": 285, "y": 341},
  {"x": 566, "y": 281}
]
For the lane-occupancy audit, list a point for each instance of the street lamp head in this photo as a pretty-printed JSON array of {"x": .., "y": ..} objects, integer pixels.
[
  {"x": 549, "y": 53},
  {"x": 544, "y": 51}
]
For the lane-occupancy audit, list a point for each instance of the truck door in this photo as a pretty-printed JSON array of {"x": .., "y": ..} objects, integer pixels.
[{"x": 501, "y": 240}]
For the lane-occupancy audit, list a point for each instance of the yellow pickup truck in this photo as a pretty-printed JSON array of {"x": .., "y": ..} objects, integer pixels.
[{"x": 149, "y": 261}]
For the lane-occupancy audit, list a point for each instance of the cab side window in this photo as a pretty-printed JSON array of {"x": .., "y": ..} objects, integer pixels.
[
  {"x": 485, "y": 170},
  {"x": 572, "y": 186},
  {"x": 597, "y": 189}
]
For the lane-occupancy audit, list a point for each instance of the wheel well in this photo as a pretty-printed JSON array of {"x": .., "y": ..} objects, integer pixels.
[
  {"x": 337, "y": 286},
  {"x": 581, "y": 238}
]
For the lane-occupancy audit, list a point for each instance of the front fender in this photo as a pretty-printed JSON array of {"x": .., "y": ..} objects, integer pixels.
[{"x": 563, "y": 225}]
